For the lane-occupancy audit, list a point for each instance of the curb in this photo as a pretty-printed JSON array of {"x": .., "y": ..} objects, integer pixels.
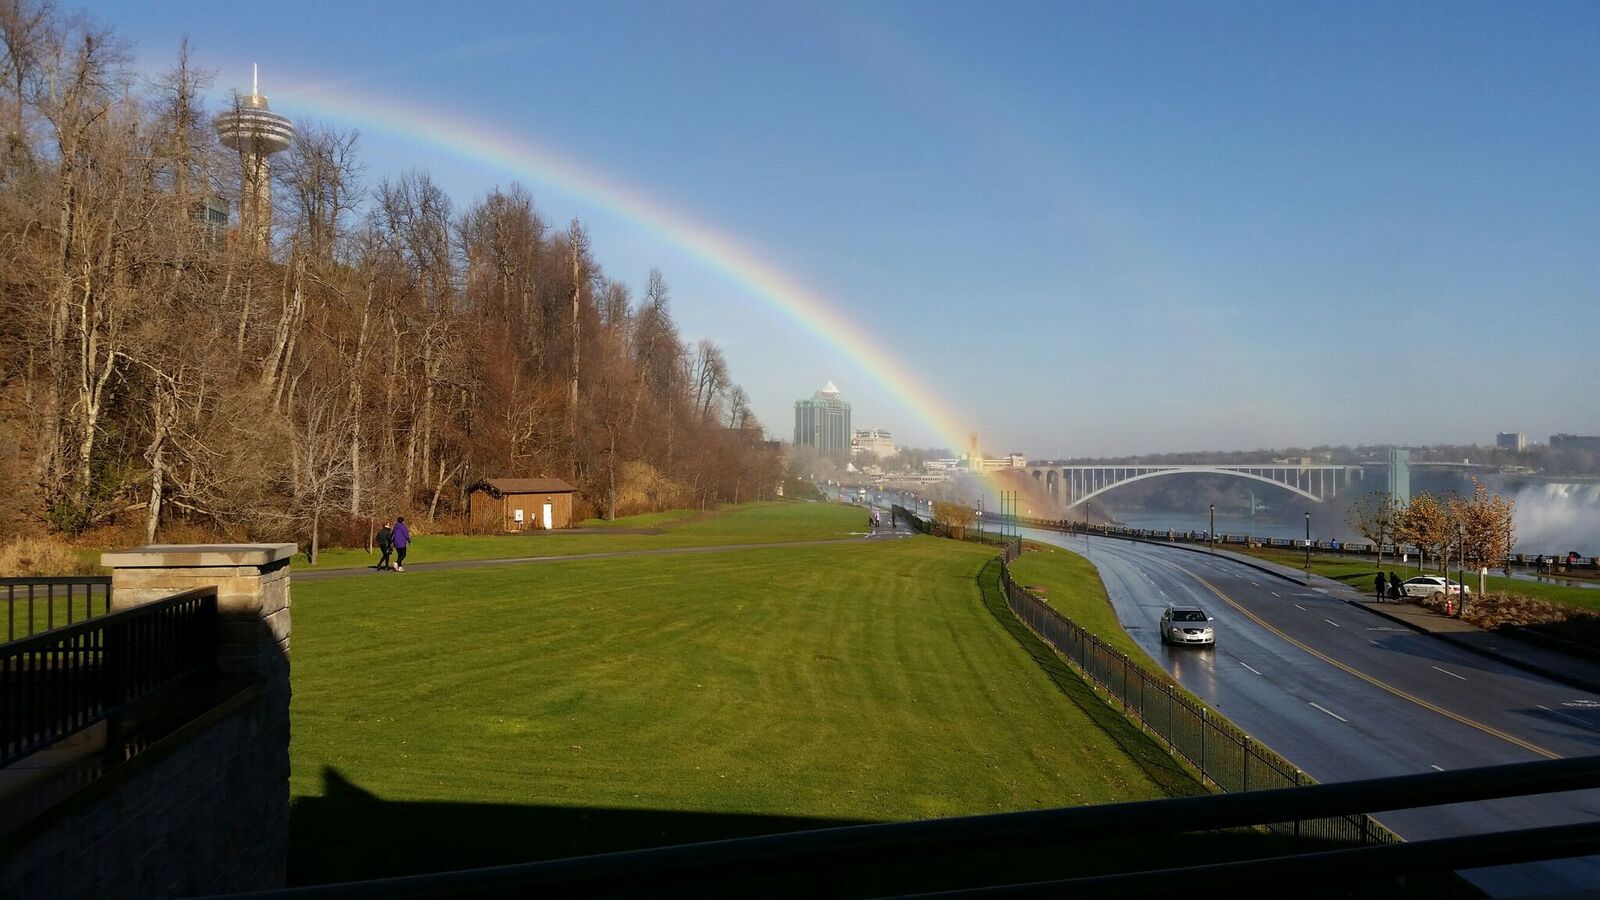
[{"x": 1533, "y": 668}]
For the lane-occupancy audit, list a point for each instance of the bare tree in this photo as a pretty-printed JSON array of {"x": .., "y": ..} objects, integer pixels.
[{"x": 1373, "y": 517}]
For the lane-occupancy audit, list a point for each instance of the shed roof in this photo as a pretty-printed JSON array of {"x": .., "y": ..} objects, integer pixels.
[{"x": 526, "y": 486}]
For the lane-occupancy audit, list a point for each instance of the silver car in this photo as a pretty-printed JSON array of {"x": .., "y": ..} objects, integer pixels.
[{"x": 1186, "y": 625}]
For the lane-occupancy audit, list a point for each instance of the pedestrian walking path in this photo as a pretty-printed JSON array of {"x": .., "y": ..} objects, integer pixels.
[{"x": 325, "y": 574}]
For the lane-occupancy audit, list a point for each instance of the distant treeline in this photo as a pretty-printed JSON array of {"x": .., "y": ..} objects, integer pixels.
[{"x": 388, "y": 349}]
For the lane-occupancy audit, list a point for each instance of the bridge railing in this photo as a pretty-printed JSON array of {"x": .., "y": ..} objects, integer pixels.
[
  {"x": 905, "y": 858},
  {"x": 34, "y": 604},
  {"x": 59, "y": 682}
]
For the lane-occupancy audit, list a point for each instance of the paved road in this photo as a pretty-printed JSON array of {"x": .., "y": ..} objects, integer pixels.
[{"x": 1346, "y": 694}]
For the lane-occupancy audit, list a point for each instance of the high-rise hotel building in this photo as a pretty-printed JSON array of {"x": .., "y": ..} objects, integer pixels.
[{"x": 823, "y": 422}]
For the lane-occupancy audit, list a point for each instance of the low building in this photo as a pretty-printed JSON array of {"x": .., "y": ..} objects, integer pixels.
[
  {"x": 1574, "y": 442},
  {"x": 872, "y": 441},
  {"x": 520, "y": 504}
]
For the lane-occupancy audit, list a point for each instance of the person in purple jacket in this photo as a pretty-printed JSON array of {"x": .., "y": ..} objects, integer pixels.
[{"x": 402, "y": 540}]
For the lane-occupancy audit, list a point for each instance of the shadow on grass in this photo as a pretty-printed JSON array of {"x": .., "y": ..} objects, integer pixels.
[
  {"x": 1150, "y": 757},
  {"x": 349, "y": 834}
]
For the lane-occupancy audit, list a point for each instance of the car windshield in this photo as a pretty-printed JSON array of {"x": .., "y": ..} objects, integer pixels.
[{"x": 1188, "y": 615}]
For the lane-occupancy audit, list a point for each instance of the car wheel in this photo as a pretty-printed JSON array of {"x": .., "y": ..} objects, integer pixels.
[{"x": 1436, "y": 596}]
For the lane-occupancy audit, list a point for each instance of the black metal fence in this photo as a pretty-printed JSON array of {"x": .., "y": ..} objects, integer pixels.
[
  {"x": 59, "y": 682},
  {"x": 1224, "y": 755},
  {"x": 33, "y": 605}
]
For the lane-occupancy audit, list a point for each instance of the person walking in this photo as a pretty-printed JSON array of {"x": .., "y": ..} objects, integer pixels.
[
  {"x": 1378, "y": 585},
  {"x": 385, "y": 546},
  {"x": 402, "y": 540},
  {"x": 1394, "y": 587}
]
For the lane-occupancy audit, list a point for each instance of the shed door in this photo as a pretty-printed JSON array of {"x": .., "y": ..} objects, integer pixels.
[{"x": 548, "y": 524}]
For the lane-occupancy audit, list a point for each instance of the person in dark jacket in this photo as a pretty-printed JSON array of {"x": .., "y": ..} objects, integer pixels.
[
  {"x": 1378, "y": 585},
  {"x": 385, "y": 546},
  {"x": 1394, "y": 586},
  {"x": 402, "y": 540}
]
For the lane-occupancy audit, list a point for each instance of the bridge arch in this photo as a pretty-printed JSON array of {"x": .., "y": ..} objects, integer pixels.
[{"x": 1143, "y": 474}]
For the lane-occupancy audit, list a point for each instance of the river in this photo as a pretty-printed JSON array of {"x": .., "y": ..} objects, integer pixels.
[{"x": 1550, "y": 518}]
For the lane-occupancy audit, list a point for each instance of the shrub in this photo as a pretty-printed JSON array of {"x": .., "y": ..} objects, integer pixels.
[{"x": 42, "y": 556}]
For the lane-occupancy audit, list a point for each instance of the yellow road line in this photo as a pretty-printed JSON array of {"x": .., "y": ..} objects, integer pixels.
[{"x": 1382, "y": 685}]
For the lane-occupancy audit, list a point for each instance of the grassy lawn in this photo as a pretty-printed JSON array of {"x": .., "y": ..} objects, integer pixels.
[
  {"x": 483, "y": 716},
  {"x": 1072, "y": 585},
  {"x": 1358, "y": 574},
  {"x": 642, "y": 520},
  {"x": 750, "y": 523}
]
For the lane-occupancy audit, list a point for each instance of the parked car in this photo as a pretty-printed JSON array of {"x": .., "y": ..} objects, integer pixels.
[
  {"x": 1431, "y": 586},
  {"x": 1186, "y": 625}
]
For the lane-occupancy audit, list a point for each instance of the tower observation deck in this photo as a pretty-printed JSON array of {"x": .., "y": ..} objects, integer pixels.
[{"x": 256, "y": 132}]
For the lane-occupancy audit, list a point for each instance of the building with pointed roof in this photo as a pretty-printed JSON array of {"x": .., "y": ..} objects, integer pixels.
[{"x": 823, "y": 422}]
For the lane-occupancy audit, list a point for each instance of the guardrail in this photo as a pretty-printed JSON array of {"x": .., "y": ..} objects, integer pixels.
[
  {"x": 59, "y": 682},
  {"x": 38, "y": 604}
]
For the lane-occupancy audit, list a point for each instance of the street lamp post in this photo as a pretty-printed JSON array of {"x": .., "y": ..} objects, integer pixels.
[
  {"x": 1308, "y": 543},
  {"x": 1211, "y": 533},
  {"x": 980, "y": 516},
  {"x": 1461, "y": 571}
]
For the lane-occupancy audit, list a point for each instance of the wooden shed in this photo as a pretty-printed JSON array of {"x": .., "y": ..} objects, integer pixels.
[{"x": 520, "y": 504}]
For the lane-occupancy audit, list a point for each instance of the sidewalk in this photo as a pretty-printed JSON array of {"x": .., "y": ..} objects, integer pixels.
[
  {"x": 358, "y": 571},
  {"x": 1553, "y": 664}
]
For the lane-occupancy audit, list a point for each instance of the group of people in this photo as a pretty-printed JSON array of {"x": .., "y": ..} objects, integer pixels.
[
  {"x": 393, "y": 539},
  {"x": 1387, "y": 589}
]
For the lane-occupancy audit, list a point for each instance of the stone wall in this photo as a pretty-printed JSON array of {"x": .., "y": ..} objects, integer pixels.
[{"x": 204, "y": 809}]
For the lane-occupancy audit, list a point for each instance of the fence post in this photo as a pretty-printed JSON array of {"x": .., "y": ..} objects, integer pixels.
[
  {"x": 1246, "y": 754},
  {"x": 1204, "y": 726}
]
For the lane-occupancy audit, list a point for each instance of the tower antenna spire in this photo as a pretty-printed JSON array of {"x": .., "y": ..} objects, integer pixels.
[{"x": 255, "y": 80}]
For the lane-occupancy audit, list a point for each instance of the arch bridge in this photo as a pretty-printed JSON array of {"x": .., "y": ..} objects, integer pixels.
[{"x": 1072, "y": 486}]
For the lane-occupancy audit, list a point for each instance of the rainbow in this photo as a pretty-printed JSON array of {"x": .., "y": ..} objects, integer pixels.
[{"x": 522, "y": 158}]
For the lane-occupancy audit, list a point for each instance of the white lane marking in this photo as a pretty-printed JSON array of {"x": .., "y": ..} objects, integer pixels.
[
  {"x": 1331, "y": 622},
  {"x": 1274, "y": 593},
  {"x": 1299, "y": 607},
  {"x": 1567, "y": 716},
  {"x": 1374, "y": 643},
  {"x": 1448, "y": 672},
  {"x": 1248, "y": 666},
  {"x": 1334, "y": 714},
  {"x": 1437, "y": 769},
  {"x": 1253, "y": 584}
]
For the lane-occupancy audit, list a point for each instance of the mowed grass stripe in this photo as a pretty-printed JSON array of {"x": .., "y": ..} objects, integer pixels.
[
  {"x": 841, "y": 682},
  {"x": 749, "y": 523}
]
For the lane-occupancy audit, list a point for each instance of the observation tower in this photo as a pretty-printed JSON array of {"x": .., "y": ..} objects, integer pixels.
[{"x": 257, "y": 132}]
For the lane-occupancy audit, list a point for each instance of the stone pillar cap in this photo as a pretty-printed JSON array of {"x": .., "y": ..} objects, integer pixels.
[{"x": 190, "y": 556}]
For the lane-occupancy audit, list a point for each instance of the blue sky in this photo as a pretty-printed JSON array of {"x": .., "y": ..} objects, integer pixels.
[{"x": 1102, "y": 228}]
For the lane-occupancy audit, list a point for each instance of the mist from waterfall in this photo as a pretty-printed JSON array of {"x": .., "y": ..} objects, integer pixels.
[{"x": 1556, "y": 518}]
